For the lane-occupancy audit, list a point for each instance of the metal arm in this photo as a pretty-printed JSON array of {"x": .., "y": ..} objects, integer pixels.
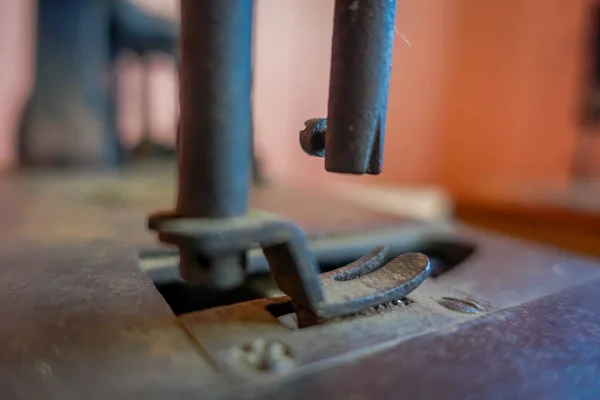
[{"x": 211, "y": 225}]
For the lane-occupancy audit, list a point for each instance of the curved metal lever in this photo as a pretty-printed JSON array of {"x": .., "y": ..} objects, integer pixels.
[{"x": 365, "y": 283}]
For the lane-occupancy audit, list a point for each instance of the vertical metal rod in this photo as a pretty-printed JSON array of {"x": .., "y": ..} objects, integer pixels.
[
  {"x": 215, "y": 142},
  {"x": 363, "y": 38},
  {"x": 215, "y": 137}
]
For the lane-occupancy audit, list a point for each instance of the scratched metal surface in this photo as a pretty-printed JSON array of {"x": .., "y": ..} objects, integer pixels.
[{"x": 79, "y": 319}]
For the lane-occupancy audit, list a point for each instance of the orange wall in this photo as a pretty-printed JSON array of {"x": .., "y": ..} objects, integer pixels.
[
  {"x": 419, "y": 90},
  {"x": 485, "y": 93},
  {"x": 292, "y": 73},
  {"x": 515, "y": 87},
  {"x": 292, "y": 58},
  {"x": 16, "y": 57}
]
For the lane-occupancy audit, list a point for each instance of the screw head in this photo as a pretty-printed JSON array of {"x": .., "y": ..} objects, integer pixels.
[
  {"x": 312, "y": 137},
  {"x": 460, "y": 305},
  {"x": 266, "y": 356}
]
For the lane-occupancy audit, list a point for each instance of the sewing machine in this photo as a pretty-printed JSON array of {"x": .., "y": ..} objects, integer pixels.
[{"x": 369, "y": 306}]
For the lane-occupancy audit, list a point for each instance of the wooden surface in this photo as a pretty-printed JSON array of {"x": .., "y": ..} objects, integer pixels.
[
  {"x": 515, "y": 93},
  {"x": 569, "y": 219}
]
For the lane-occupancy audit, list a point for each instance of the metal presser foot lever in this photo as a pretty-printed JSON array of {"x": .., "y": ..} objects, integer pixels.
[{"x": 211, "y": 223}]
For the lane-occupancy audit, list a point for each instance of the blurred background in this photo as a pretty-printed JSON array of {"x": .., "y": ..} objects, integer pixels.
[{"x": 493, "y": 116}]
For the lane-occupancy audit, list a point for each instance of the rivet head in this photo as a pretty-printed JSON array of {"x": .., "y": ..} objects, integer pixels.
[{"x": 266, "y": 356}]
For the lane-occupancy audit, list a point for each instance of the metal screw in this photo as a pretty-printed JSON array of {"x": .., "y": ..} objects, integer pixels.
[
  {"x": 312, "y": 137},
  {"x": 385, "y": 306},
  {"x": 266, "y": 356}
]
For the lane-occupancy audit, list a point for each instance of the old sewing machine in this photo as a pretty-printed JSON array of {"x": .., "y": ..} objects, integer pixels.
[{"x": 425, "y": 311}]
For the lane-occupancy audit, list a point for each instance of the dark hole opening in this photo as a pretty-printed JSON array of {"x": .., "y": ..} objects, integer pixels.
[
  {"x": 185, "y": 298},
  {"x": 280, "y": 309}
]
